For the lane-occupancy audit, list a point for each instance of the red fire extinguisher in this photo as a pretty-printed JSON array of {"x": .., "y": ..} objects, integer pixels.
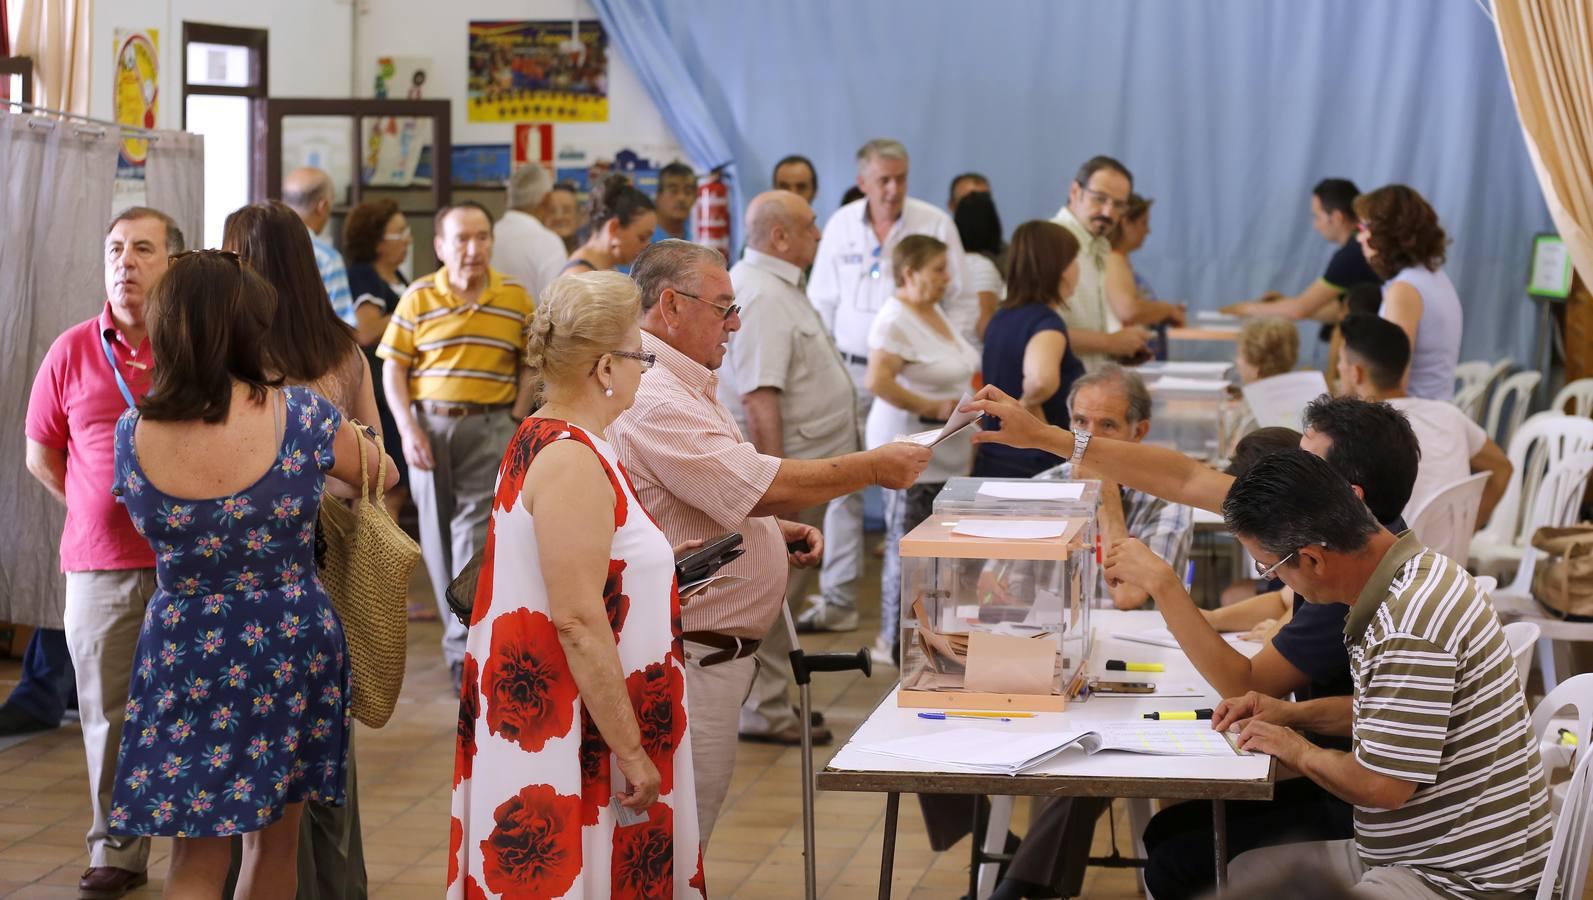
[{"x": 711, "y": 214}]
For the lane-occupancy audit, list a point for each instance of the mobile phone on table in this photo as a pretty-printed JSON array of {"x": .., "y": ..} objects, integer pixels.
[{"x": 1123, "y": 687}]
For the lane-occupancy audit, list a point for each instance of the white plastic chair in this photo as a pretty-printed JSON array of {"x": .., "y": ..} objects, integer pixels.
[
  {"x": 1558, "y": 498},
  {"x": 1573, "y": 840},
  {"x": 1469, "y": 374},
  {"x": 1523, "y": 637},
  {"x": 1517, "y": 392},
  {"x": 1447, "y": 520},
  {"x": 1541, "y": 441},
  {"x": 1575, "y": 399},
  {"x": 1469, "y": 400}
]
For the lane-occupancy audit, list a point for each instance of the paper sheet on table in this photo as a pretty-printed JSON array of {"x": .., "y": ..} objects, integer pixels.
[
  {"x": 1161, "y": 637},
  {"x": 693, "y": 588},
  {"x": 1207, "y": 370},
  {"x": 1000, "y": 751},
  {"x": 1278, "y": 401},
  {"x": 1159, "y": 738},
  {"x": 1184, "y": 385},
  {"x": 1212, "y": 317},
  {"x": 957, "y": 422},
  {"x": 1032, "y": 490},
  {"x": 1011, "y": 529}
]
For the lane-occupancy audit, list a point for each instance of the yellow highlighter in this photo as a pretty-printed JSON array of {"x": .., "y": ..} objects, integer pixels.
[{"x": 1117, "y": 665}]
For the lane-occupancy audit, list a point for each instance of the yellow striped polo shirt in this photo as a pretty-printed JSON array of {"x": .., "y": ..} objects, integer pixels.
[
  {"x": 460, "y": 352},
  {"x": 1437, "y": 702}
]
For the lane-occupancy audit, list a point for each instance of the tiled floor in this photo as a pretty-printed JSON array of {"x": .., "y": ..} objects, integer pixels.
[{"x": 405, "y": 774}]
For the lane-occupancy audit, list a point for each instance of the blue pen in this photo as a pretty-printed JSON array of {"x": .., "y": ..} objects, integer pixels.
[
  {"x": 989, "y": 717},
  {"x": 1189, "y": 577}
]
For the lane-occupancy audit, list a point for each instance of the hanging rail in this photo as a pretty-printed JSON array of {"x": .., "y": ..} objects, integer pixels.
[{"x": 127, "y": 130}]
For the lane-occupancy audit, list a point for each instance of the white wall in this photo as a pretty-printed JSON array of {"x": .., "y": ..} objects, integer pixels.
[{"x": 309, "y": 45}]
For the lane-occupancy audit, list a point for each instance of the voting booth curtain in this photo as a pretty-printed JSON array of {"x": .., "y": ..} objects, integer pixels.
[
  {"x": 1548, "y": 52},
  {"x": 1227, "y": 113}
]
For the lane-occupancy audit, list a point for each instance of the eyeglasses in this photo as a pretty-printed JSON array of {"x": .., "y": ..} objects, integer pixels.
[
  {"x": 1361, "y": 227},
  {"x": 725, "y": 312},
  {"x": 397, "y": 236},
  {"x": 1266, "y": 573},
  {"x": 1105, "y": 200},
  {"x": 648, "y": 360}
]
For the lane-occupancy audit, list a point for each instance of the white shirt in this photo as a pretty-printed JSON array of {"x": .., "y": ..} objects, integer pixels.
[
  {"x": 527, "y": 251},
  {"x": 1437, "y": 350},
  {"x": 1448, "y": 440},
  {"x": 1088, "y": 308},
  {"x": 852, "y": 278},
  {"x": 934, "y": 367},
  {"x": 782, "y": 345},
  {"x": 981, "y": 275}
]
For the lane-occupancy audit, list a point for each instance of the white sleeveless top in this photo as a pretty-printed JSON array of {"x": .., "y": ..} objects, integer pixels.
[{"x": 1437, "y": 350}]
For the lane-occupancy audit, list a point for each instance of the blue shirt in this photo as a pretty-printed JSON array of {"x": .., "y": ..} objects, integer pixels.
[
  {"x": 1006, "y": 338},
  {"x": 335, "y": 276}
]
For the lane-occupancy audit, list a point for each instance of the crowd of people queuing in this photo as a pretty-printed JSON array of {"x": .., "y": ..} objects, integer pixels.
[{"x": 580, "y": 403}]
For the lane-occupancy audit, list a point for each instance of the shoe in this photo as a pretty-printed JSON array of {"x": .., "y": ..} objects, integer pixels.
[
  {"x": 824, "y": 617},
  {"x": 456, "y": 675},
  {"x": 14, "y": 721},
  {"x": 791, "y": 737},
  {"x": 816, "y": 718},
  {"x": 883, "y": 652},
  {"x": 108, "y": 883}
]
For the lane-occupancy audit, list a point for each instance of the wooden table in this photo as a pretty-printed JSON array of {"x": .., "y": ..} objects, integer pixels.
[
  {"x": 1197, "y": 333},
  {"x": 1071, "y": 773}
]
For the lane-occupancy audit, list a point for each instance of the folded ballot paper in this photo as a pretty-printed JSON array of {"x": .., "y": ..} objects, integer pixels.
[{"x": 999, "y": 752}]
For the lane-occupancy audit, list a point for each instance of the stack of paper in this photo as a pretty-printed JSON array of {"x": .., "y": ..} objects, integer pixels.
[
  {"x": 1188, "y": 369},
  {"x": 1032, "y": 490},
  {"x": 984, "y": 750},
  {"x": 1185, "y": 385}
]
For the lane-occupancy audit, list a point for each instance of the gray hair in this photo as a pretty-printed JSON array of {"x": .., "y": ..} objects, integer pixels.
[
  {"x": 1133, "y": 387},
  {"x": 880, "y": 148},
  {"x": 302, "y": 198},
  {"x": 174, "y": 235},
  {"x": 670, "y": 264},
  {"x": 527, "y": 186}
]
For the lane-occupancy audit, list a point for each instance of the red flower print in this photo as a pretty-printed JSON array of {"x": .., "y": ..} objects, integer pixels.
[
  {"x": 533, "y": 435},
  {"x": 465, "y": 731},
  {"x": 614, "y": 599},
  {"x": 534, "y": 850},
  {"x": 595, "y": 773},
  {"x": 473, "y": 890},
  {"x": 481, "y": 603},
  {"x": 644, "y": 857},
  {"x": 698, "y": 881},
  {"x": 656, "y": 694},
  {"x": 456, "y": 839},
  {"x": 529, "y": 690}
]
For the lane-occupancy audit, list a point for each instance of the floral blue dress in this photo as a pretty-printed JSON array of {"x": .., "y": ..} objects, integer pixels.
[{"x": 239, "y": 698}]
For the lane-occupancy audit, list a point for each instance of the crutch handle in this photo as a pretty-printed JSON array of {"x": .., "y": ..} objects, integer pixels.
[{"x": 803, "y": 664}]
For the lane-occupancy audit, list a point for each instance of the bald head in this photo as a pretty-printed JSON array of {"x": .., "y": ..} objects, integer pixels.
[
  {"x": 309, "y": 193},
  {"x": 782, "y": 224}
]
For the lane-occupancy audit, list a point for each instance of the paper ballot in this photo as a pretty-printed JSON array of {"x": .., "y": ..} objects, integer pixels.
[
  {"x": 1008, "y": 752},
  {"x": 957, "y": 422},
  {"x": 1012, "y": 529},
  {"x": 1279, "y": 400},
  {"x": 1032, "y": 490},
  {"x": 1183, "y": 384}
]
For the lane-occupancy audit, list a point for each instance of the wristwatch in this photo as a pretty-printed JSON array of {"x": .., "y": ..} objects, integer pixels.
[{"x": 1081, "y": 442}]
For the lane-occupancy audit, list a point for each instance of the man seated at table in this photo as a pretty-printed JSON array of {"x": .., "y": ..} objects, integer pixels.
[
  {"x": 1372, "y": 366},
  {"x": 1369, "y": 445},
  {"x": 1113, "y": 402},
  {"x": 1449, "y": 793},
  {"x": 1333, "y": 217}
]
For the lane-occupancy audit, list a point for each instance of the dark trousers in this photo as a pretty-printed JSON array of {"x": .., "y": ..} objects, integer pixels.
[
  {"x": 1055, "y": 851},
  {"x": 47, "y": 684},
  {"x": 1178, "y": 839}
]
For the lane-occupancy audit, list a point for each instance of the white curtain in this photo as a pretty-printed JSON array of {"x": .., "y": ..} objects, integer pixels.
[
  {"x": 55, "y": 33},
  {"x": 174, "y": 182},
  {"x": 57, "y": 199}
]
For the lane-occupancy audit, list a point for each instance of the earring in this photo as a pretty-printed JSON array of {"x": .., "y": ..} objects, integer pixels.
[{"x": 608, "y": 392}]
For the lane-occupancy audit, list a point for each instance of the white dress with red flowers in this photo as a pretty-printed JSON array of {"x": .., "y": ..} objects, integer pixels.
[{"x": 533, "y": 809}]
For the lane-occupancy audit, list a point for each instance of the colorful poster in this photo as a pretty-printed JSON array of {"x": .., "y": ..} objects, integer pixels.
[
  {"x": 136, "y": 93},
  {"x": 397, "y": 151},
  {"x": 538, "y": 72}
]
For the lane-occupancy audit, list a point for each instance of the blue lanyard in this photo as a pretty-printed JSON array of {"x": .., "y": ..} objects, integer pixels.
[{"x": 121, "y": 383}]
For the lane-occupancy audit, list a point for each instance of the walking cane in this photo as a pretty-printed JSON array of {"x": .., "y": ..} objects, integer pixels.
[{"x": 803, "y": 665}]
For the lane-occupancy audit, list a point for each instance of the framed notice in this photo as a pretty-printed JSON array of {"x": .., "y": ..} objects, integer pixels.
[{"x": 1550, "y": 275}]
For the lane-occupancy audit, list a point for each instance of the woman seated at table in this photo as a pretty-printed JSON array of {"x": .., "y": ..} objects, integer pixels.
[
  {"x": 1027, "y": 353},
  {"x": 573, "y": 711},
  {"x": 1404, "y": 243},
  {"x": 1266, "y": 348},
  {"x": 918, "y": 368}
]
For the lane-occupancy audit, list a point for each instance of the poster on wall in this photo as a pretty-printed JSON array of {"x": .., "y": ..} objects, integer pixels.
[
  {"x": 396, "y": 152},
  {"x": 533, "y": 143},
  {"x": 538, "y": 71},
  {"x": 135, "y": 94}
]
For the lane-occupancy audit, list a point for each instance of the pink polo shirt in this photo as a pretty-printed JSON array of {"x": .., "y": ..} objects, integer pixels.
[{"x": 74, "y": 407}]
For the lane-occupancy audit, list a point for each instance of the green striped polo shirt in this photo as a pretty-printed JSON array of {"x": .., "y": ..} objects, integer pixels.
[{"x": 1437, "y": 702}]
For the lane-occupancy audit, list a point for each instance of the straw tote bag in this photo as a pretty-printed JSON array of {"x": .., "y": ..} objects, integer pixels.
[{"x": 366, "y": 572}]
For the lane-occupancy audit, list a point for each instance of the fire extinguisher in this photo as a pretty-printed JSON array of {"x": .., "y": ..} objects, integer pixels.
[{"x": 711, "y": 214}]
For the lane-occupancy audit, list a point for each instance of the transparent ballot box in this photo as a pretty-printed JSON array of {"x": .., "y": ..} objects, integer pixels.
[
  {"x": 1025, "y": 497},
  {"x": 994, "y": 610}
]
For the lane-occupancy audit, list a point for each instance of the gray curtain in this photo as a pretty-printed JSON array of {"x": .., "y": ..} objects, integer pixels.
[
  {"x": 57, "y": 199},
  {"x": 174, "y": 182}
]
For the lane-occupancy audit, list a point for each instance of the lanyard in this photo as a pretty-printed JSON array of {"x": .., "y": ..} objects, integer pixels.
[{"x": 121, "y": 383}]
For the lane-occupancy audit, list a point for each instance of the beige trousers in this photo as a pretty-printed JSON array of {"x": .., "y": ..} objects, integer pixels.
[
  {"x": 104, "y": 613},
  {"x": 768, "y": 706},
  {"x": 713, "y": 708},
  {"x": 1285, "y": 864}
]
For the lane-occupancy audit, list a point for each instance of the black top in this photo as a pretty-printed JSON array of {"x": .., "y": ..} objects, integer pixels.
[
  {"x": 1006, "y": 338},
  {"x": 1349, "y": 267},
  {"x": 366, "y": 286}
]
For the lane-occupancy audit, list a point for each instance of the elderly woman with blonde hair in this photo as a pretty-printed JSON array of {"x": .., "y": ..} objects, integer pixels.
[{"x": 572, "y": 774}]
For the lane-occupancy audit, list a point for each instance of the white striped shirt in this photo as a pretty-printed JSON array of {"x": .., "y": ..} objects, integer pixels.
[{"x": 1438, "y": 703}]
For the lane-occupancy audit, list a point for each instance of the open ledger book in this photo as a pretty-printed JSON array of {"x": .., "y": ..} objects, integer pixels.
[{"x": 999, "y": 752}]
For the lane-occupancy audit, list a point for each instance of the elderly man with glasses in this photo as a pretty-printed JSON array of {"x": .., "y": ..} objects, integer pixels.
[{"x": 699, "y": 478}]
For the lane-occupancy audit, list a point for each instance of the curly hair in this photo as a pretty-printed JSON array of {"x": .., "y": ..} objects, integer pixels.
[
  {"x": 1402, "y": 229},
  {"x": 365, "y": 227},
  {"x": 1272, "y": 345}
]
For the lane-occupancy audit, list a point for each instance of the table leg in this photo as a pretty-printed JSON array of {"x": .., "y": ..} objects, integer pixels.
[
  {"x": 976, "y": 842},
  {"x": 1219, "y": 842},
  {"x": 887, "y": 853}
]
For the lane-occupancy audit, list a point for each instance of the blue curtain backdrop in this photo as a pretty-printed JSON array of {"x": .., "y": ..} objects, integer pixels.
[{"x": 1226, "y": 112}]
